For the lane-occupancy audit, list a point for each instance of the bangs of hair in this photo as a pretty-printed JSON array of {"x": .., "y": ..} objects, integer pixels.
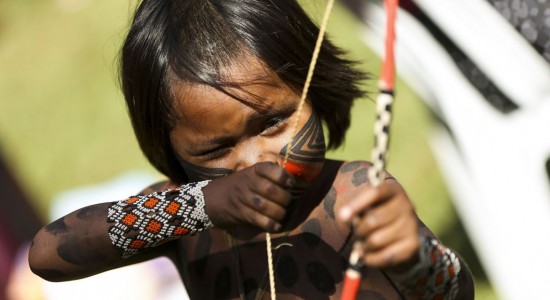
[{"x": 199, "y": 41}]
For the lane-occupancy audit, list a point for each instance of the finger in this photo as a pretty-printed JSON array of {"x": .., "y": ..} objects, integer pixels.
[
  {"x": 259, "y": 220},
  {"x": 393, "y": 255},
  {"x": 365, "y": 200},
  {"x": 274, "y": 173},
  {"x": 384, "y": 236},
  {"x": 378, "y": 217},
  {"x": 265, "y": 207},
  {"x": 271, "y": 191}
]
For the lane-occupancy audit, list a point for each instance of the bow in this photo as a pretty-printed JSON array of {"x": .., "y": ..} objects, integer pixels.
[
  {"x": 379, "y": 154},
  {"x": 381, "y": 130}
]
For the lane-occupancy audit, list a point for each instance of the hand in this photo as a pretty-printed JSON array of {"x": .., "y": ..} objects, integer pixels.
[
  {"x": 257, "y": 195},
  {"x": 385, "y": 225}
]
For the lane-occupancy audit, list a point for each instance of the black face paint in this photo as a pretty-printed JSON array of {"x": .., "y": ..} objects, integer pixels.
[
  {"x": 306, "y": 156},
  {"x": 308, "y": 145},
  {"x": 198, "y": 173}
]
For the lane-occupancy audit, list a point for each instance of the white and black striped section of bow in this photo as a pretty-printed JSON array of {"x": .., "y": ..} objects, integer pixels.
[{"x": 384, "y": 104}]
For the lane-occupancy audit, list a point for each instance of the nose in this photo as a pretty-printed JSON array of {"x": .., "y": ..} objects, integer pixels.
[{"x": 256, "y": 152}]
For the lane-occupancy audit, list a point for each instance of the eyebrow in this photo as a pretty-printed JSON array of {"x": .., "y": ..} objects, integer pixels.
[
  {"x": 221, "y": 140},
  {"x": 218, "y": 141},
  {"x": 286, "y": 110},
  {"x": 201, "y": 146}
]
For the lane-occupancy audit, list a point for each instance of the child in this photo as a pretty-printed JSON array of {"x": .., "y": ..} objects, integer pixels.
[{"x": 212, "y": 87}]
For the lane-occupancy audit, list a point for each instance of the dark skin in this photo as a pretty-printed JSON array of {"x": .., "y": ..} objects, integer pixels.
[{"x": 309, "y": 214}]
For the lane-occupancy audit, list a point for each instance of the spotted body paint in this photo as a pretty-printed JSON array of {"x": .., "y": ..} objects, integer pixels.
[
  {"x": 321, "y": 278},
  {"x": 57, "y": 227},
  {"x": 360, "y": 177},
  {"x": 222, "y": 284},
  {"x": 309, "y": 262},
  {"x": 287, "y": 271},
  {"x": 203, "y": 246},
  {"x": 312, "y": 233},
  {"x": 329, "y": 202},
  {"x": 250, "y": 288}
]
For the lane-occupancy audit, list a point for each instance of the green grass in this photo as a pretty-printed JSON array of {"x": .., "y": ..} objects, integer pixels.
[{"x": 63, "y": 122}]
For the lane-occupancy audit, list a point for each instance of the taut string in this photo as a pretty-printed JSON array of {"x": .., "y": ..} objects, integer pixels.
[{"x": 305, "y": 90}]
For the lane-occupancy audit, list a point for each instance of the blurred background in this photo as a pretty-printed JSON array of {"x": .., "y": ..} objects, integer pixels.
[{"x": 63, "y": 122}]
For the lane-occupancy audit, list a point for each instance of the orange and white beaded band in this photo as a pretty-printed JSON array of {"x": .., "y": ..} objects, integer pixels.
[
  {"x": 142, "y": 222},
  {"x": 435, "y": 276}
]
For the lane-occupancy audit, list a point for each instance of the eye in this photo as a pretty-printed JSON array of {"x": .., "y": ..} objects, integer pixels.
[
  {"x": 215, "y": 153},
  {"x": 274, "y": 125}
]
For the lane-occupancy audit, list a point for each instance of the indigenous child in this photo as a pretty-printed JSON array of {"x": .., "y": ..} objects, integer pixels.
[{"x": 212, "y": 87}]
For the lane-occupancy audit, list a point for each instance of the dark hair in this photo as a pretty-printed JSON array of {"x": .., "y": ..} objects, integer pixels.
[{"x": 192, "y": 40}]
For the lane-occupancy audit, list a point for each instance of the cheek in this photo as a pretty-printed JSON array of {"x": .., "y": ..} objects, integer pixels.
[
  {"x": 198, "y": 173},
  {"x": 307, "y": 153}
]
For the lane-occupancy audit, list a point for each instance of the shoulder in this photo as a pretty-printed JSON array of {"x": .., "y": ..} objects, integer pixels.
[
  {"x": 353, "y": 173},
  {"x": 343, "y": 176},
  {"x": 356, "y": 173},
  {"x": 352, "y": 179},
  {"x": 338, "y": 183}
]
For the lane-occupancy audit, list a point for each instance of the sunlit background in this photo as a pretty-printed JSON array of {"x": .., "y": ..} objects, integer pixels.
[{"x": 63, "y": 121}]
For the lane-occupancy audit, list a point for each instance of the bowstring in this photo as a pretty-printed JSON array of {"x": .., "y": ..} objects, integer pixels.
[
  {"x": 309, "y": 77},
  {"x": 307, "y": 83}
]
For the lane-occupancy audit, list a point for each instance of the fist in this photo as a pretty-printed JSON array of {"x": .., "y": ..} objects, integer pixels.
[
  {"x": 385, "y": 225},
  {"x": 257, "y": 196}
]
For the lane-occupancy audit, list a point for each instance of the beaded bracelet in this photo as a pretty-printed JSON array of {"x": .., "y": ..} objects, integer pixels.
[
  {"x": 435, "y": 276},
  {"x": 147, "y": 221}
]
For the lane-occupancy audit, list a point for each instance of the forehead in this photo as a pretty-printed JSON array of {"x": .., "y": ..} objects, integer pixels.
[
  {"x": 205, "y": 115},
  {"x": 252, "y": 88}
]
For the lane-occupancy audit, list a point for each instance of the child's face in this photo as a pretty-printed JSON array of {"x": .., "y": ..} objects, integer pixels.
[{"x": 215, "y": 134}]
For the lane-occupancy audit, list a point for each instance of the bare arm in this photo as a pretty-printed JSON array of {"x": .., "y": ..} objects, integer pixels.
[
  {"x": 78, "y": 245},
  {"x": 392, "y": 237},
  {"x": 105, "y": 236}
]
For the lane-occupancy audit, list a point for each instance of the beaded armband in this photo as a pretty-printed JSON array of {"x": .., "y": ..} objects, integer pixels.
[
  {"x": 434, "y": 276},
  {"x": 147, "y": 221}
]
